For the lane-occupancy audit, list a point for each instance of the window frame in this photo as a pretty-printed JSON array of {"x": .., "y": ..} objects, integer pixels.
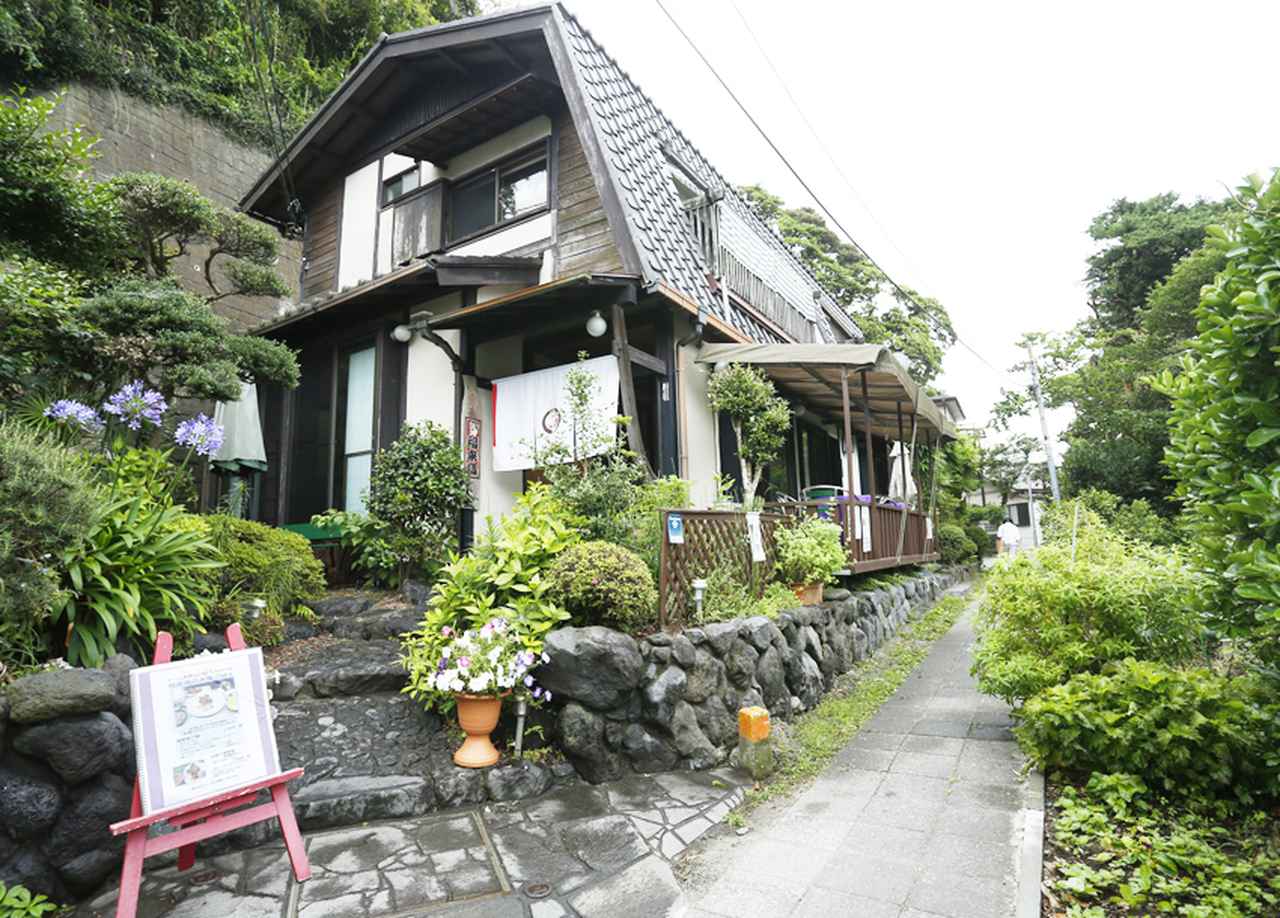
[
  {"x": 383, "y": 201},
  {"x": 519, "y": 158},
  {"x": 341, "y": 387}
]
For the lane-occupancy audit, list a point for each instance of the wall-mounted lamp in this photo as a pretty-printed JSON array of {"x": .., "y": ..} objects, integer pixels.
[
  {"x": 596, "y": 325},
  {"x": 699, "y": 593},
  {"x": 417, "y": 322}
]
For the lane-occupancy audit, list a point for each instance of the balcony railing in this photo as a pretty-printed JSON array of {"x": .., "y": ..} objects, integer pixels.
[
  {"x": 411, "y": 226},
  {"x": 740, "y": 278}
]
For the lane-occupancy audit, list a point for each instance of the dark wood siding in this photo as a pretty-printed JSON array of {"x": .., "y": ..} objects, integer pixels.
[
  {"x": 584, "y": 239},
  {"x": 320, "y": 243}
]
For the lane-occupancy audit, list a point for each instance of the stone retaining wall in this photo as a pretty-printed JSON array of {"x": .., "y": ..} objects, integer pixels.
[
  {"x": 661, "y": 703},
  {"x": 668, "y": 702}
]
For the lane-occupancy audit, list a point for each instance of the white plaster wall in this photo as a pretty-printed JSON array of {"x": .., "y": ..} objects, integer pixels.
[
  {"x": 699, "y": 452},
  {"x": 506, "y": 143},
  {"x": 359, "y": 218},
  {"x": 429, "y": 378},
  {"x": 495, "y": 492},
  {"x": 525, "y": 233}
]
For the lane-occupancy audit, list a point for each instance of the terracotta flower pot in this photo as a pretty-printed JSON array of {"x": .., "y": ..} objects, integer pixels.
[
  {"x": 808, "y": 593},
  {"x": 478, "y": 716}
]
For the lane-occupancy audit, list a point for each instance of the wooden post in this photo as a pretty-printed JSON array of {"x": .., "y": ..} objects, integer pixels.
[
  {"x": 849, "y": 507},
  {"x": 621, "y": 349},
  {"x": 871, "y": 457}
]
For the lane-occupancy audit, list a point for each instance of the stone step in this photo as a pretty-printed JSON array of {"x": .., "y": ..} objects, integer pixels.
[
  {"x": 364, "y": 616},
  {"x": 342, "y": 667}
]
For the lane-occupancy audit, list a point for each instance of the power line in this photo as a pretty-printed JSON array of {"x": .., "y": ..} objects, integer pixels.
[{"x": 902, "y": 292}]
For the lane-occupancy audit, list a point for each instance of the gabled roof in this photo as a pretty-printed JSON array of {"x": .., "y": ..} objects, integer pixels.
[{"x": 510, "y": 59}]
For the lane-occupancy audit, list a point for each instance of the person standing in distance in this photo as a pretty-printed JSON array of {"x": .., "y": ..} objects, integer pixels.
[{"x": 1009, "y": 536}]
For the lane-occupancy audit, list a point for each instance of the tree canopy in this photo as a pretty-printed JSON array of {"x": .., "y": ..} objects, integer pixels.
[
  {"x": 916, "y": 325},
  {"x": 258, "y": 68},
  {"x": 1144, "y": 284}
]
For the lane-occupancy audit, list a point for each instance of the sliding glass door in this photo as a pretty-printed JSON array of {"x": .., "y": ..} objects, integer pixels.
[{"x": 359, "y": 403}]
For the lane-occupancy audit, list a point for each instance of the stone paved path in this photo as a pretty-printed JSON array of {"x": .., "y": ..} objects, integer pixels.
[
  {"x": 603, "y": 852},
  {"x": 921, "y": 815}
]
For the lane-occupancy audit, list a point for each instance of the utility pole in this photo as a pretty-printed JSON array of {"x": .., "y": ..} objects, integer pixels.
[{"x": 1044, "y": 426}]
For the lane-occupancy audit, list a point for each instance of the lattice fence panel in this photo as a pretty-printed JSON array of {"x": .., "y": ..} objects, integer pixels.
[{"x": 711, "y": 538}]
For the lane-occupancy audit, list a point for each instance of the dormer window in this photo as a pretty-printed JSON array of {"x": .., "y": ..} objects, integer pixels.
[
  {"x": 499, "y": 194},
  {"x": 399, "y": 185}
]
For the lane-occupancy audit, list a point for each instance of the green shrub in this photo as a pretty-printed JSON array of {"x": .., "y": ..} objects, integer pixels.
[
  {"x": 141, "y": 570},
  {"x": 17, "y": 901},
  {"x": 729, "y": 596},
  {"x": 600, "y": 583},
  {"x": 505, "y": 575},
  {"x": 1133, "y": 520},
  {"x": 954, "y": 545},
  {"x": 1224, "y": 447},
  {"x": 645, "y": 532},
  {"x": 1121, "y": 847},
  {"x": 372, "y": 555},
  {"x": 48, "y": 505},
  {"x": 1183, "y": 731},
  {"x": 809, "y": 552},
  {"x": 1044, "y": 617},
  {"x": 417, "y": 488},
  {"x": 984, "y": 542},
  {"x": 262, "y": 561}
]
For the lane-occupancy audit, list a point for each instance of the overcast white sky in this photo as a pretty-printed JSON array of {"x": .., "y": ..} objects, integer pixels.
[{"x": 981, "y": 138}]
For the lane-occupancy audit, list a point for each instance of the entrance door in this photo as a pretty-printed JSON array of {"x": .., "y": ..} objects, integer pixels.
[{"x": 356, "y": 456}]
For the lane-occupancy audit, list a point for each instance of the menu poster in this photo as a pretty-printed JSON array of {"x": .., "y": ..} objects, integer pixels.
[
  {"x": 471, "y": 447},
  {"x": 201, "y": 726}
]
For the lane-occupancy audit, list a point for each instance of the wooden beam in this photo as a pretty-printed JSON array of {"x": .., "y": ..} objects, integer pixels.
[
  {"x": 622, "y": 350},
  {"x": 852, "y": 485},
  {"x": 871, "y": 456},
  {"x": 647, "y": 360}
]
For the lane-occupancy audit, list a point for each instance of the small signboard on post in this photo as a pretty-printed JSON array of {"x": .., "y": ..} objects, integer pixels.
[{"x": 675, "y": 529}]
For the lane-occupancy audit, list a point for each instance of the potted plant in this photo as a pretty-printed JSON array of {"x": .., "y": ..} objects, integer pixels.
[
  {"x": 479, "y": 668},
  {"x": 809, "y": 554}
]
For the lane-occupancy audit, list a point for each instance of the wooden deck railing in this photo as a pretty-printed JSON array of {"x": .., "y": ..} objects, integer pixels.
[{"x": 719, "y": 537}]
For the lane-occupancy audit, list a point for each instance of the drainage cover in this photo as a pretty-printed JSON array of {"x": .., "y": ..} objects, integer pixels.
[{"x": 537, "y": 890}]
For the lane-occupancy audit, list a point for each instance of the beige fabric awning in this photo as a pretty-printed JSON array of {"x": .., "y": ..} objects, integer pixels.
[{"x": 811, "y": 374}]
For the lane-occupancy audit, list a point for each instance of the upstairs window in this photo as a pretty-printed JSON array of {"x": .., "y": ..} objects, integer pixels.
[
  {"x": 399, "y": 185},
  {"x": 506, "y": 192}
]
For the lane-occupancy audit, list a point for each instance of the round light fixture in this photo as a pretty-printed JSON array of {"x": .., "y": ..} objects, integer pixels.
[
  {"x": 402, "y": 333},
  {"x": 596, "y": 325}
]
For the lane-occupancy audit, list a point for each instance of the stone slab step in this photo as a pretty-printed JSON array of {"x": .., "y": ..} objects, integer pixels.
[{"x": 343, "y": 667}]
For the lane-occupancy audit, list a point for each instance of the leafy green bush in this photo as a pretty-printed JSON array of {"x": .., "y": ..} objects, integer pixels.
[
  {"x": 417, "y": 488},
  {"x": 369, "y": 542},
  {"x": 954, "y": 545},
  {"x": 600, "y": 583},
  {"x": 265, "y": 562},
  {"x": 17, "y": 901},
  {"x": 1224, "y": 447},
  {"x": 1120, "y": 847},
  {"x": 644, "y": 530},
  {"x": 983, "y": 541},
  {"x": 1184, "y": 731},
  {"x": 140, "y": 571},
  {"x": 809, "y": 552},
  {"x": 1133, "y": 520},
  {"x": 504, "y": 575},
  {"x": 728, "y": 596},
  {"x": 48, "y": 506},
  {"x": 1045, "y": 617}
]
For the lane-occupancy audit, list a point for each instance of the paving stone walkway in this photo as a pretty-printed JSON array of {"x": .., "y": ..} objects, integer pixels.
[
  {"x": 601, "y": 852},
  {"x": 921, "y": 815}
]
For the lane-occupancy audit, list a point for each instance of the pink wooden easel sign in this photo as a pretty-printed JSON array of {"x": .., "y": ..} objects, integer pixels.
[{"x": 205, "y": 750}]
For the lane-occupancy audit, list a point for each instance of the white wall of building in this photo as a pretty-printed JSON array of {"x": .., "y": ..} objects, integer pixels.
[
  {"x": 359, "y": 219},
  {"x": 699, "y": 447}
]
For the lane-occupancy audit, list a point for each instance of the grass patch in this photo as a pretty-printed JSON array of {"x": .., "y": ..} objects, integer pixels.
[{"x": 815, "y": 737}]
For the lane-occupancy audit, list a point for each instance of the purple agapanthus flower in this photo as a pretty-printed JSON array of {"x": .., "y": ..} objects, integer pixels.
[
  {"x": 134, "y": 404},
  {"x": 201, "y": 433},
  {"x": 69, "y": 411}
]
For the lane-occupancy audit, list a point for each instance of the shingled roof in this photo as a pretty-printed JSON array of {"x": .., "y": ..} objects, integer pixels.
[{"x": 638, "y": 143}]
